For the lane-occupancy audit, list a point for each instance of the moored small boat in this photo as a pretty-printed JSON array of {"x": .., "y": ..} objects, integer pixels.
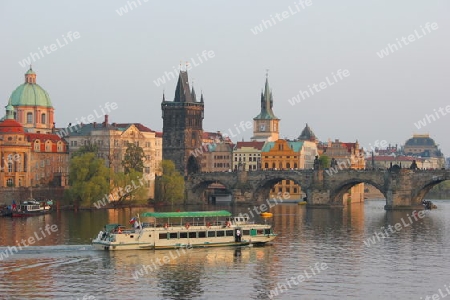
[
  {"x": 31, "y": 208},
  {"x": 171, "y": 230}
]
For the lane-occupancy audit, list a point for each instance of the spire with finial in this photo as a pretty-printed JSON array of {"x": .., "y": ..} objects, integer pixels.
[
  {"x": 164, "y": 97},
  {"x": 201, "y": 97},
  {"x": 193, "y": 95},
  {"x": 266, "y": 101}
]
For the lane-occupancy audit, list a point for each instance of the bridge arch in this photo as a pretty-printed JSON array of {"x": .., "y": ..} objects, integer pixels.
[
  {"x": 263, "y": 188},
  {"x": 421, "y": 191},
  {"x": 337, "y": 194},
  {"x": 200, "y": 189}
]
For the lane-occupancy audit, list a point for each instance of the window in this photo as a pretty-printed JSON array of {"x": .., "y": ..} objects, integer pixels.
[
  {"x": 147, "y": 170},
  {"x": 10, "y": 167},
  {"x": 43, "y": 119},
  {"x": 173, "y": 235},
  {"x": 220, "y": 233},
  {"x": 183, "y": 235},
  {"x": 29, "y": 118},
  {"x": 192, "y": 234},
  {"x": 229, "y": 233},
  {"x": 211, "y": 234},
  {"x": 202, "y": 234},
  {"x": 163, "y": 236},
  {"x": 9, "y": 182}
]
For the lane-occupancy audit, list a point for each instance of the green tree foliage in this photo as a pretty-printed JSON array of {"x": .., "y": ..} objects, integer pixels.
[
  {"x": 88, "y": 148},
  {"x": 324, "y": 162},
  {"x": 88, "y": 179},
  {"x": 130, "y": 187},
  {"x": 170, "y": 186},
  {"x": 133, "y": 159}
]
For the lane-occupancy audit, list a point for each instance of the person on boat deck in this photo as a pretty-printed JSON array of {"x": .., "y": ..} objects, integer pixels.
[
  {"x": 14, "y": 206},
  {"x": 137, "y": 225},
  {"x": 238, "y": 235}
]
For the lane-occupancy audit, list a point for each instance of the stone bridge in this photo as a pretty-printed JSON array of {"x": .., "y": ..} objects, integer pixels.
[{"x": 402, "y": 188}]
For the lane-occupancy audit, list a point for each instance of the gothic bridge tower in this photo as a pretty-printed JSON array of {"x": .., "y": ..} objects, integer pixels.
[{"x": 183, "y": 127}]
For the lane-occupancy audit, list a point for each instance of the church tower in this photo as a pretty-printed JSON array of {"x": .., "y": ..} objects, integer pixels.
[
  {"x": 265, "y": 125},
  {"x": 183, "y": 127}
]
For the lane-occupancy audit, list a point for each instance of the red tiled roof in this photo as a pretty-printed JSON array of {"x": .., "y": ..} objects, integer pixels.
[
  {"x": 10, "y": 125},
  {"x": 349, "y": 146},
  {"x": 256, "y": 145},
  {"x": 42, "y": 136},
  {"x": 158, "y": 134},
  {"x": 211, "y": 135}
]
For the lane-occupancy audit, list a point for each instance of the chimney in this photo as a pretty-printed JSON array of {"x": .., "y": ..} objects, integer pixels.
[{"x": 106, "y": 120}]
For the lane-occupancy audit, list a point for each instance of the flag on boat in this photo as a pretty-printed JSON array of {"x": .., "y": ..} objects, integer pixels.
[{"x": 133, "y": 219}]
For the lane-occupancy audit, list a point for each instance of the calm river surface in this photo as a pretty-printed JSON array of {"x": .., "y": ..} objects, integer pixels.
[{"x": 409, "y": 264}]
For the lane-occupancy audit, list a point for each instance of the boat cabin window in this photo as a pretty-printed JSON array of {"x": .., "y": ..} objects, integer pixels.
[
  {"x": 229, "y": 232},
  {"x": 245, "y": 232},
  {"x": 220, "y": 233},
  {"x": 241, "y": 219},
  {"x": 163, "y": 236},
  {"x": 202, "y": 234},
  {"x": 192, "y": 234},
  {"x": 260, "y": 231},
  {"x": 266, "y": 231},
  {"x": 183, "y": 235},
  {"x": 211, "y": 234},
  {"x": 173, "y": 235}
]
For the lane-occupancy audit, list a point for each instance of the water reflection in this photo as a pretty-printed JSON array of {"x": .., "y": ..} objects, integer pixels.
[{"x": 64, "y": 266}]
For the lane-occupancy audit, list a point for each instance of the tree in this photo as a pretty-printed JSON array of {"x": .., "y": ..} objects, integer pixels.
[
  {"x": 133, "y": 159},
  {"x": 88, "y": 148},
  {"x": 128, "y": 186},
  {"x": 324, "y": 162},
  {"x": 170, "y": 186},
  {"x": 88, "y": 179}
]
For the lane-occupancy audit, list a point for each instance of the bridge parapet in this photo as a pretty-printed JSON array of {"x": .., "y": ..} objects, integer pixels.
[{"x": 403, "y": 188}]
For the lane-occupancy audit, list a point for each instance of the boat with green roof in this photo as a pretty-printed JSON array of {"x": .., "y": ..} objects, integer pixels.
[{"x": 172, "y": 230}]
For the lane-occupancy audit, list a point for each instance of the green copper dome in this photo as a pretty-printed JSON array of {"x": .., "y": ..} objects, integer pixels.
[{"x": 30, "y": 93}]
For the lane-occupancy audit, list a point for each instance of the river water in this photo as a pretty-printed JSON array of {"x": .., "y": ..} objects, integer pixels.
[{"x": 325, "y": 251}]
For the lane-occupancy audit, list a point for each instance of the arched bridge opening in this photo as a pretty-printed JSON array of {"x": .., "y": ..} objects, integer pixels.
[
  {"x": 280, "y": 189},
  {"x": 211, "y": 192},
  {"x": 353, "y": 191}
]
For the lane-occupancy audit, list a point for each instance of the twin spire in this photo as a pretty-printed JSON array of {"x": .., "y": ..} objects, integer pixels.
[{"x": 183, "y": 93}]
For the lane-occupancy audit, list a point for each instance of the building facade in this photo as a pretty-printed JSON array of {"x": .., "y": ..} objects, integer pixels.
[
  {"x": 183, "y": 127},
  {"x": 247, "y": 156},
  {"x": 30, "y": 159},
  {"x": 285, "y": 155},
  {"x": 347, "y": 156},
  {"x": 421, "y": 145},
  {"x": 112, "y": 141}
]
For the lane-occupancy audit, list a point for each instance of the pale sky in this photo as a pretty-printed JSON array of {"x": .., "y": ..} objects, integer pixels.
[{"x": 118, "y": 59}]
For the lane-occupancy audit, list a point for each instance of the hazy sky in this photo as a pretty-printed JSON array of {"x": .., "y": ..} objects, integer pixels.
[{"x": 119, "y": 58}]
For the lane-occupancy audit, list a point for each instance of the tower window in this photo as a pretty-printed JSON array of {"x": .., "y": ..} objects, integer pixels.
[
  {"x": 29, "y": 118},
  {"x": 43, "y": 119}
]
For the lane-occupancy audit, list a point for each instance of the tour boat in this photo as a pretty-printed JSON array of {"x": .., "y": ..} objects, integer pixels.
[
  {"x": 31, "y": 208},
  {"x": 171, "y": 230}
]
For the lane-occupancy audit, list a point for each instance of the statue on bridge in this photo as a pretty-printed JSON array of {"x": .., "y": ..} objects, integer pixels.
[
  {"x": 316, "y": 163},
  {"x": 333, "y": 163},
  {"x": 413, "y": 165}
]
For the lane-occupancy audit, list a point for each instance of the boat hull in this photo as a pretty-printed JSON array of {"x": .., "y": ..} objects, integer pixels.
[
  {"x": 23, "y": 214},
  {"x": 150, "y": 238}
]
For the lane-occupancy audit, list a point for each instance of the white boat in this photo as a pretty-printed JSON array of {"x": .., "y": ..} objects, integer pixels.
[{"x": 171, "y": 230}]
